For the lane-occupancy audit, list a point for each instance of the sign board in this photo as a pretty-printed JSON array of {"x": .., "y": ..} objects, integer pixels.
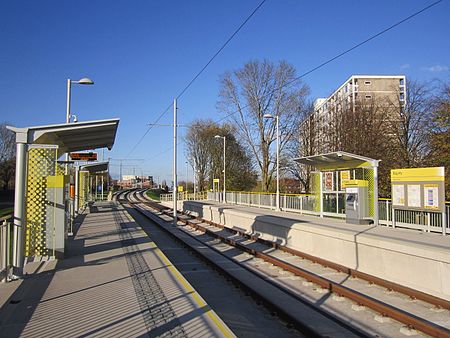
[
  {"x": 180, "y": 188},
  {"x": 328, "y": 180},
  {"x": 418, "y": 189},
  {"x": 345, "y": 176},
  {"x": 83, "y": 156},
  {"x": 216, "y": 180}
]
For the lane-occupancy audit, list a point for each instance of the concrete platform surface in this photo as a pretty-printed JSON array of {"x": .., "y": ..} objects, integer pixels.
[
  {"x": 115, "y": 282},
  {"x": 418, "y": 260}
]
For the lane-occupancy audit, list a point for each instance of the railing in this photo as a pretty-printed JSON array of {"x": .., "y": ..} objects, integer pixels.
[
  {"x": 428, "y": 221},
  {"x": 184, "y": 196},
  {"x": 5, "y": 248},
  {"x": 307, "y": 204}
]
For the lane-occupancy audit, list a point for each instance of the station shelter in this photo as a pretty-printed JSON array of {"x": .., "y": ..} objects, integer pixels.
[
  {"x": 336, "y": 171},
  {"x": 42, "y": 201}
]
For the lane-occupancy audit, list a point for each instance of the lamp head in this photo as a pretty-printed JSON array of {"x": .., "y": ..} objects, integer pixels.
[
  {"x": 218, "y": 136},
  {"x": 85, "y": 81},
  {"x": 268, "y": 116}
]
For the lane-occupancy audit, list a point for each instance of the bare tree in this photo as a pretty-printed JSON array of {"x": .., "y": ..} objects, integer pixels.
[
  {"x": 304, "y": 143},
  {"x": 410, "y": 123},
  {"x": 206, "y": 152},
  {"x": 439, "y": 137},
  {"x": 260, "y": 88},
  {"x": 7, "y": 155}
]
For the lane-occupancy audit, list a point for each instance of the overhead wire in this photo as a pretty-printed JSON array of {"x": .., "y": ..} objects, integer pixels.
[
  {"x": 339, "y": 55},
  {"x": 329, "y": 60},
  {"x": 236, "y": 31}
]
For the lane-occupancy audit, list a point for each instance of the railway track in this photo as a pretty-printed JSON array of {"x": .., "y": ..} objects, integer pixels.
[{"x": 345, "y": 294}]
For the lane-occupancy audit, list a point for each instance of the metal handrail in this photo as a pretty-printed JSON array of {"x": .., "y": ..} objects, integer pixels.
[{"x": 5, "y": 248}]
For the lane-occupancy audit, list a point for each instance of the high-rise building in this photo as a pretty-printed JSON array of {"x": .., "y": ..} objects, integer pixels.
[{"x": 358, "y": 90}]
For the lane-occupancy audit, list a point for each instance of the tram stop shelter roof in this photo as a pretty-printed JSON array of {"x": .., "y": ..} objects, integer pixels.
[
  {"x": 338, "y": 160},
  {"x": 71, "y": 137},
  {"x": 95, "y": 167}
]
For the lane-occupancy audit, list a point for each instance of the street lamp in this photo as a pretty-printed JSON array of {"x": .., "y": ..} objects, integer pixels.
[
  {"x": 187, "y": 174},
  {"x": 82, "y": 81},
  {"x": 269, "y": 116},
  {"x": 224, "y": 146}
]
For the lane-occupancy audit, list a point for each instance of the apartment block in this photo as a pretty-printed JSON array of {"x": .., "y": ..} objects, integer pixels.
[{"x": 357, "y": 90}]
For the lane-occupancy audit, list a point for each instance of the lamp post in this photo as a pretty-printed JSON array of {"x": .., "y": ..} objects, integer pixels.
[
  {"x": 276, "y": 117},
  {"x": 82, "y": 81},
  {"x": 187, "y": 174},
  {"x": 224, "y": 174},
  {"x": 174, "y": 173}
]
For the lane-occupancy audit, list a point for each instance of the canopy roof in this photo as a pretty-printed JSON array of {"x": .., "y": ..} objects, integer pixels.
[
  {"x": 95, "y": 167},
  {"x": 338, "y": 160},
  {"x": 71, "y": 137}
]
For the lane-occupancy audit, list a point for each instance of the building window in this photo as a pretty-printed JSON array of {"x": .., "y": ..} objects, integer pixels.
[
  {"x": 368, "y": 96},
  {"x": 402, "y": 82},
  {"x": 402, "y": 96},
  {"x": 367, "y": 83}
]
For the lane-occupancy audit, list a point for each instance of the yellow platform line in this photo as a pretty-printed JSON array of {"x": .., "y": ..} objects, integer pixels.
[{"x": 200, "y": 302}]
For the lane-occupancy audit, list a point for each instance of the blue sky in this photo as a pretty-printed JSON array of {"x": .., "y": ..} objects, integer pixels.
[{"x": 141, "y": 54}]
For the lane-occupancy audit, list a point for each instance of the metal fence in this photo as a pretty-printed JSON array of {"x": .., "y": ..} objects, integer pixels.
[
  {"x": 427, "y": 221},
  {"x": 5, "y": 249},
  {"x": 184, "y": 196}
]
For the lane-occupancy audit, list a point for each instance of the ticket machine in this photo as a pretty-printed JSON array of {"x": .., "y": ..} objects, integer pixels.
[{"x": 356, "y": 201}]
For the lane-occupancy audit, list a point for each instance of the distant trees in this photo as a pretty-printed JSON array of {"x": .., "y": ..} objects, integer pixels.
[
  {"x": 439, "y": 133},
  {"x": 257, "y": 89},
  {"x": 7, "y": 156},
  {"x": 205, "y": 153}
]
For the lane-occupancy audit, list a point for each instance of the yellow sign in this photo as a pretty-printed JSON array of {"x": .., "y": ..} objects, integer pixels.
[
  {"x": 355, "y": 183},
  {"x": 345, "y": 175},
  {"x": 417, "y": 174},
  {"x": 180, "y": 188},
  {"x": 216, "y": 180}
]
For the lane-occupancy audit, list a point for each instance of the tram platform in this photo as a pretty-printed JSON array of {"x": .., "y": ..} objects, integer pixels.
[
  {"x": 113, "y": 282},
  {"x": 411, "y": 258}
]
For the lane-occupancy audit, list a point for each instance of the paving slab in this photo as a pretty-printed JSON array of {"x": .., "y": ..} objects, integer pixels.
[{"x": 113, "y": 282}]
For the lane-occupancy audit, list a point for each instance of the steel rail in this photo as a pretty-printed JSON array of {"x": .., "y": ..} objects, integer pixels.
[
  {"x": 275, "y": 308},
  {"x": 384, "y": 309}
]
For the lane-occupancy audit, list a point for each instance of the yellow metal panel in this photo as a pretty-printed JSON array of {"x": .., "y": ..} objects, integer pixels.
[
  {"x": 55, "y": 181},
  {"x": 41, "y": 164},
  {"x": 418, "y": 174},
  {"x": 355, "y": 183}
]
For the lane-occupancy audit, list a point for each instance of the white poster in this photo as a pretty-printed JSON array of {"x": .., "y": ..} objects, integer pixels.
[
  {"x": 414, "y": 196},
  {"x": 398, "y": 194},
  {"x": 431, "y": 196}
]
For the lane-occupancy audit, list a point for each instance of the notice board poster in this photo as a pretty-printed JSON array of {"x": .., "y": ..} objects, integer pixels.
[
  {"x": 328, "y": 181},
  {"x": 398, "y": 194},
  {"x": 345, "y": 176},
  {"x": 431, "y": 196},
  {"x": 414, "y": 196}
]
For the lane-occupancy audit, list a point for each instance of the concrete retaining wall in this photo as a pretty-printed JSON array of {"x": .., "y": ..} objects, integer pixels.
[{"x": 418, "y": 266}]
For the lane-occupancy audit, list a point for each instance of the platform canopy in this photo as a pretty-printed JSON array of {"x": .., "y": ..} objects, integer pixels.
[
  {"x": 71, "y": 137},
  {"x": 96, "y": 167},
  {"x": 338, "y": 160}
]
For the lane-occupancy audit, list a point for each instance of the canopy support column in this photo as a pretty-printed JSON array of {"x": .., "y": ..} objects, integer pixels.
[{"x": 19, "y": 209}]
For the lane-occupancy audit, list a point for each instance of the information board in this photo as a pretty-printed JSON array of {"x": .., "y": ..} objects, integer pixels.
[
  {"x": 419, "y": 189},
  {"x": 83, "y": 156}
]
